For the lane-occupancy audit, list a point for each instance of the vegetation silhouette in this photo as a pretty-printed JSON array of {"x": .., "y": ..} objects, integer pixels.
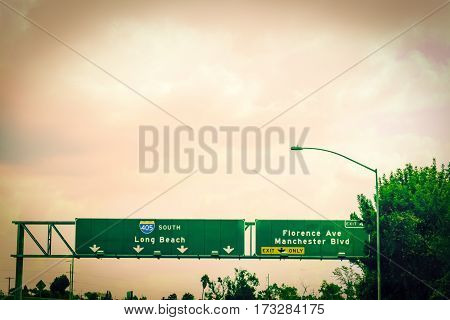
[
  {"x": 414, "y": 230},
  {"x": 188, "y": 296}
]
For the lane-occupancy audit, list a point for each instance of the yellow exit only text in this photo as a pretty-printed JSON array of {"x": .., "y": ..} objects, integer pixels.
[{"x": 283, "y": 250}]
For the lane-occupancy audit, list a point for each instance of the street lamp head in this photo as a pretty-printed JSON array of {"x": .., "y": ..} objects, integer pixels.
[{"x": 296, "y": 148}]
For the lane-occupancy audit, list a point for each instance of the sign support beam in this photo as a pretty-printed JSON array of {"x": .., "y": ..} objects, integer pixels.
[
  {"x": 19, "y": 256},
  {"x": 49, "y": 239},
  {"x": 19, "y": 262},
  {"x": 179, "y": 257},
  {"x": 34, "y": 239},
  {"x": 228, "y": 250}
]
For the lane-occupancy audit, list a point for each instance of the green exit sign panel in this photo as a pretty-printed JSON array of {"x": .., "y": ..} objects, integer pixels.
[
  {"x": 311, "y": 238},
  {"x": 165, "y": 237}
]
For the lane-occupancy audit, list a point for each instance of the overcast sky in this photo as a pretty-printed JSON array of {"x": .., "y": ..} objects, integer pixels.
[{"x": 69, "y": 131}]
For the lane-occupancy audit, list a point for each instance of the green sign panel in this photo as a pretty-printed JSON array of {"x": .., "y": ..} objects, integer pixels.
[
  {"x": 311, "y": 238},
  {"x": 159, "y": 237}
]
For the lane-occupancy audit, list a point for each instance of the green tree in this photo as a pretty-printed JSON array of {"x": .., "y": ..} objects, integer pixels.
[
  {"x": 107, "y": 296},
  {"x": 58, "y": 287},
  {"x": 288, "y": 293},
  {"x": 305, "y": 295},
  {"x": 92, "y": 295},
  {"x": 187, "y": 296},
  {"x": 241, "y": 287},
  {"x": 216, "y": 289},
  {"x": 414, "y": 233},
  {"x": 285, "y": 292},
  {"x": 45, "y": 294},
  {"x": 330, "y": 291},
  {"x": 205, "y": 281},
  {"x": 271, "y": 292},
  {"x": 349, "y": 280},
  {"x": 172, "y": 296},
  {"x": 275, "y": 292}
]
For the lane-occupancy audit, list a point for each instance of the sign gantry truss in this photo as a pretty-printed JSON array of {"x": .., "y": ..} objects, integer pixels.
[{"x": 196, "y": 239}]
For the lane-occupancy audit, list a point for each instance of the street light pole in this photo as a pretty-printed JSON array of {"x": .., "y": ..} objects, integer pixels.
[
  {"x": 377, "y": 205},
  {"x": 377, "y": 197},
  {"x": 9, "y": 284},
  {"x": 71, "y": 267}
]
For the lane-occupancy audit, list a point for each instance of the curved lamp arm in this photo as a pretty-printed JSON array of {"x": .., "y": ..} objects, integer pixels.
[{"x": 298, "y": 148}]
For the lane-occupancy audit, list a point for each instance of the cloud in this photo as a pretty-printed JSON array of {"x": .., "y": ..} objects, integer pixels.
[{"x": 69, "y": 132}]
